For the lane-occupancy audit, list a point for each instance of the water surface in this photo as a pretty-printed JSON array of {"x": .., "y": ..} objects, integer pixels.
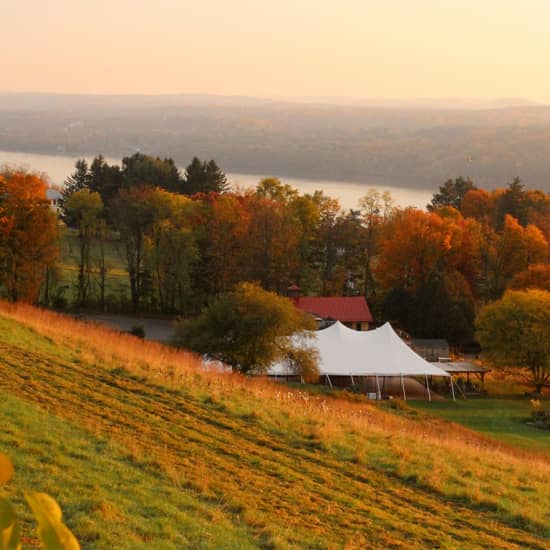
[{"x": 58, "y": 167}]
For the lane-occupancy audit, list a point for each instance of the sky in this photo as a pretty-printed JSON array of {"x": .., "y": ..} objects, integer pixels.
[{"x": 386, "y": 49}]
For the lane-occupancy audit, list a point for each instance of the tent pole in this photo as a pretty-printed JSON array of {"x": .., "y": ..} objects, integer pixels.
[
  {"x": 328, "y": 380},
  {"x": 428, "y": 388},
  {"x": 452, "y": 387},
  {"x": 352, "y": 381},
  {"x": 403, "y": 388},
  {"x": 378, "y": 386}
]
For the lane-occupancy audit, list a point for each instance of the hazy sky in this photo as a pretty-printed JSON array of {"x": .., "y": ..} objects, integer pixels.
[{"x": 353, "y": 48}]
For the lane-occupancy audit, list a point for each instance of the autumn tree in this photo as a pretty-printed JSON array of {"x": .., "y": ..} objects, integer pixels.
[
  {"x": 479, "y": 205},
  {"x": 221, "y": 227},
  {"x": 535, "y": 276},
  {"x": 423, "y": 276},
  {"x": 274, "y": 189},
  {"x": 272, "y": 243},
  {"x": 514, "y": 332},
  {"x": 28, "y": 232},
  {"x": 171, "y": 250},
  {"x": 376, "y": 209},
  {"x": 506, "y": 253},
  {"x": 248, "y": 329}
]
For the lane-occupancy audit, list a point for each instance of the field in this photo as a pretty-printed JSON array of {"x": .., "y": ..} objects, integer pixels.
[
  {"x": 144, "y": 449},
  {"x": 499, "y": 416},
  {"x": 117, "y": 291}
]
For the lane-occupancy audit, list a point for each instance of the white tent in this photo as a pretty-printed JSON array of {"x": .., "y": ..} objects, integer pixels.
[{"x": 376, "y": 353}]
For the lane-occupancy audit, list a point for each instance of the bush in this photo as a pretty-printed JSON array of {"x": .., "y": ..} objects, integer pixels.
[
  {"x": 138, "y": 330},
  {"x": 540, "y": 415}
]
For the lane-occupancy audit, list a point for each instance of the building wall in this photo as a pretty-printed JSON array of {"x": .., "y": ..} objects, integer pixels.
[{"x": 357, "y": 326}]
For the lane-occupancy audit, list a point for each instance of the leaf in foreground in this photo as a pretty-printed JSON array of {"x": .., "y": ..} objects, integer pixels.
[
  {"x": 10, "y": 532},
  {"x": 6, "y": 468},
  {"x": 53, "y": 533}
]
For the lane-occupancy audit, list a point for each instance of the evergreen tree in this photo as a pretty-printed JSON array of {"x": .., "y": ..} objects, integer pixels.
[
  {"x": 451, "y": 193},
  {"x": 105, "y": 179},
  {"x": 204, "y": 177},
  {"x": 77, "y": 181},
  {"x": 512, "y": 202},
  {"x": 140, "y": 169}
]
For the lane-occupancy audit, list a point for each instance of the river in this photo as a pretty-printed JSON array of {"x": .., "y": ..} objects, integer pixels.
[{"x": 58, "y": 167}]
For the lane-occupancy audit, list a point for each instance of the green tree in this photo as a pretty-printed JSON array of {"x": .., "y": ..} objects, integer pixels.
[
  {"x": 451, "y": 193},
  {"x": 134, "y": 214},
  {"x": 247, "y": 328},
  {"x": 105, "y": 179},
  {"x": 514, "y": 332},
  {"x": 139, "y": 170},
  {"x": 203, "y": 177},
  {"x": 77, "y": 181},
  {"x": 512, "y": 202},
  {"x": 83, "y": 210}
]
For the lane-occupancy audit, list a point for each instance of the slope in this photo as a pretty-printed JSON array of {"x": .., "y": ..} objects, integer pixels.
[{"x": 145, "y": 450}]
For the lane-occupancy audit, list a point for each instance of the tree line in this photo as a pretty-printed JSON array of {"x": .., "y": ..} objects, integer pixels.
[{"x": 186, "y": 237}]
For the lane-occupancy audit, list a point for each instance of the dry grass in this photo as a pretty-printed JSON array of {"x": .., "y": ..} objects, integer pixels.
[{"x": 292, "y": 466}]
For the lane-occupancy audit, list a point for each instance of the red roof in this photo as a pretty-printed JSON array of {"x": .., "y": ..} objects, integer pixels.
[{"x": 341, "y": 308}]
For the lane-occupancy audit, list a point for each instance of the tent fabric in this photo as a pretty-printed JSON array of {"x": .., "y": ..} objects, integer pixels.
[{"x": 379, "y": 352}]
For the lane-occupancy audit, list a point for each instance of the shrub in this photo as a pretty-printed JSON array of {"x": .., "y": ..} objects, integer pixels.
[
  {"x": 138, "y": 330},
  {"x": 540, "y": 415}
]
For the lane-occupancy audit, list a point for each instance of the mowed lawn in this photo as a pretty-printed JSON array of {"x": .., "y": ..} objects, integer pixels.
[
  {"x": 504, "y": 417},
  {"x": 117, "y": 285},
  {"x": 143, "y": 449}
]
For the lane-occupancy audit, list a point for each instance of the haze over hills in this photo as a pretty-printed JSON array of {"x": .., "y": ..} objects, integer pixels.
[{"x": 415, "y": 144}]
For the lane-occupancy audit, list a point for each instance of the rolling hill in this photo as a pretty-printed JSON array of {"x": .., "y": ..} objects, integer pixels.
[
  {"x": 416, "y": 145},
  {"x": 145, "y": 449}
]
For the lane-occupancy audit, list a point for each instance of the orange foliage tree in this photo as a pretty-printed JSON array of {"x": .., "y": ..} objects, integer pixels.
[
  {"x": 28, "y": 234},
  {"x": 535, "y": 276}
]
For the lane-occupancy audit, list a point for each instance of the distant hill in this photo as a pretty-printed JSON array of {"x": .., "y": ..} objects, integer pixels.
[
  {"x": 417, "y": 144},
  {"x": 144, "y": 450}
]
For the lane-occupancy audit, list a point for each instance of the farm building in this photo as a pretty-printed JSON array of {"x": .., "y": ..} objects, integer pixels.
[{"x": 351, "y": 311}]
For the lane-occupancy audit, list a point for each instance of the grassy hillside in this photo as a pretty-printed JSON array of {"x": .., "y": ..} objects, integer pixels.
[
  {"x": 413, "y": 147},
  {"x": 500, "y": 416},
  {"x": 144, "y": 450}
]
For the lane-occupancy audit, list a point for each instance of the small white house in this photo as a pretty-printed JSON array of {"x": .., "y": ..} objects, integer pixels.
[{"x": 54, "y": 196}]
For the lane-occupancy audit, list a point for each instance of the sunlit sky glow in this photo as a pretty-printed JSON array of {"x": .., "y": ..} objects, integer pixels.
[{"x": 279, "y": 48}]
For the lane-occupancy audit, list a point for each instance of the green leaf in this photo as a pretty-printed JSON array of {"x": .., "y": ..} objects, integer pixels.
[
  {"x": 6, "y": 468},
  {"x": 53, "y": 533},
  {"x": 10, "y": 532}
]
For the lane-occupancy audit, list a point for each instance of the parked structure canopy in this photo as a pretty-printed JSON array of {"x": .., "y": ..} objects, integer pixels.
[{"x": 379, "y": 352}]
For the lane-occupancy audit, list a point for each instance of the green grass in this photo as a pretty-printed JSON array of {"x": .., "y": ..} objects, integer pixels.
[
  {"x": 117, "y": 285},
  {"x": 142, "y": 452},
  {"x": 504, "y": 418},
  {"x": 109, "y": 499}
]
